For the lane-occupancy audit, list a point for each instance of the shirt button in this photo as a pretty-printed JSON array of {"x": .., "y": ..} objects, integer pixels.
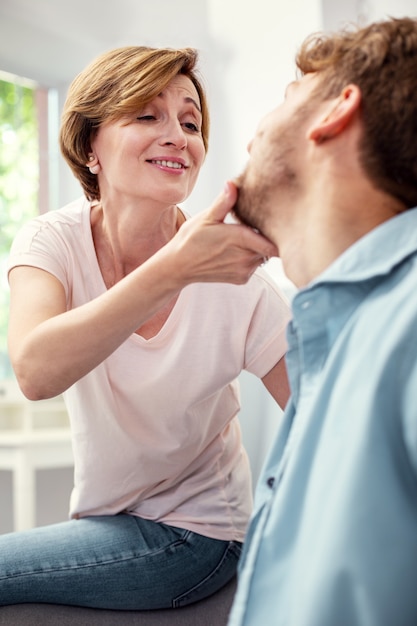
[{"x": 270, "y": 482}]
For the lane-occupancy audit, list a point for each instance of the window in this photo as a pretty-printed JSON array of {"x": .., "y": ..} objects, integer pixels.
[{"x": 23, "y": 175}]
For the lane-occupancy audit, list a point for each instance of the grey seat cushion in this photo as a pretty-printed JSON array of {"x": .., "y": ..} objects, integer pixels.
[{"x": 212, "y": 611}]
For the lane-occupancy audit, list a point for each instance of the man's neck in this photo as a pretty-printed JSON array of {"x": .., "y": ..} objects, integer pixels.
[{"x": 328, "y": 227}]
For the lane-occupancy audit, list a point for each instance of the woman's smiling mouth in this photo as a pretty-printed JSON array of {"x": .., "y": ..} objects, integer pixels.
[{"x": 168, "y": 163}]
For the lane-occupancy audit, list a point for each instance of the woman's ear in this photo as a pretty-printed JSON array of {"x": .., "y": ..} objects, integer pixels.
[
  {"x": 93, "y": 164},
  {"x": 341, "y": 113}
]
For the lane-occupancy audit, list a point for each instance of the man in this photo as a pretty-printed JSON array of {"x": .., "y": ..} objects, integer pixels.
[{"x": 332, "y": 181}]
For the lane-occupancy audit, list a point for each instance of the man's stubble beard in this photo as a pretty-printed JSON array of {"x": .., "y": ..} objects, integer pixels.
[
  {"x": 261, "y": 195},
  {"x": 258, "y": 203},
  {"x": 251, "y": 204}
]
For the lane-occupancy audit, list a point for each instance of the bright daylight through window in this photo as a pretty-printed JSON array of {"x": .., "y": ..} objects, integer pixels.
[{"x": 19, "y": 180}]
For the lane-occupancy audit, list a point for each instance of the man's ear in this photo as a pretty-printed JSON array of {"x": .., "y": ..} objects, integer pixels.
[{"x": 341, "y": 113}]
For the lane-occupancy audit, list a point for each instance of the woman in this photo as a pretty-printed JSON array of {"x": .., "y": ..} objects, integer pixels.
[{"x": 124, "y": 306}]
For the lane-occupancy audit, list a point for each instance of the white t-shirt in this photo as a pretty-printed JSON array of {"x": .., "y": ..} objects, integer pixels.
[{"x": 155, "y": 429}]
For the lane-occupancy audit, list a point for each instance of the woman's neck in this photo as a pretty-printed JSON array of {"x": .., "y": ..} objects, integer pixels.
[{"x": 125, "y": 239}]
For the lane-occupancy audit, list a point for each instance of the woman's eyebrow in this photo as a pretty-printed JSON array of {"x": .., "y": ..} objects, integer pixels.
[
  {"x": 187, "y": 99},
  {"x": 192, "y": 101}
]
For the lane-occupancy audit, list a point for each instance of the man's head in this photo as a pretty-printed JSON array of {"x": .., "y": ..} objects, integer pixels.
[{"x": 380, "y": 61}]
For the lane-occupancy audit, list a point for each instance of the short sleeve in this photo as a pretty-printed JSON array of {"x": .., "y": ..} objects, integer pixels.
[{"x": 38, "y": 244}]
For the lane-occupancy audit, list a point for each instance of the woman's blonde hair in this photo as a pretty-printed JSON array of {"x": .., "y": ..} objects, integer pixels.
[{"x": 118, "y": 83}]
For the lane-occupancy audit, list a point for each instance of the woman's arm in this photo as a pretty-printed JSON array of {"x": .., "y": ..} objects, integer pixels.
[
  {"x": 51, "y": 348},
  {"x": 276, "y": 381}
]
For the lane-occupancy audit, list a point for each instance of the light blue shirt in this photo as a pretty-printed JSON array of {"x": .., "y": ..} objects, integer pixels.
[{"x": 333, "y": 536}]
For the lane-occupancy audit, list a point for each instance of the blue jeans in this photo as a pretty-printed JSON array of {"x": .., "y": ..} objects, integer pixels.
[{"x": 113, "y": 562}]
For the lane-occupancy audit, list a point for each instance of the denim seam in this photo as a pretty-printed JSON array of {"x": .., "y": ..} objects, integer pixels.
[
  {"x": 230, "y": 548},
  {"x": 107, "y": 562}
]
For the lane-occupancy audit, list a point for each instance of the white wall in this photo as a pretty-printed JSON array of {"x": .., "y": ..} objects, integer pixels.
[
  {"x": 255, "y": 44},
  {"x": 247, "y": 50}
]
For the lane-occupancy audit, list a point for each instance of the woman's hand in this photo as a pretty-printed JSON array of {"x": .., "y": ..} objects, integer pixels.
[
  {"x": 209, "y": 250},
  {"x": 51, "y": 348}
]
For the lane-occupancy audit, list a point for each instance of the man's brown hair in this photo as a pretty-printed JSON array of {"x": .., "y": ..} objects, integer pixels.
[{"x": 381, "y": 59}]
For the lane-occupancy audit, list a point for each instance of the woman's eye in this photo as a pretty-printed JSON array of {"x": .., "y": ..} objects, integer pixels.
[
  {"x": 191, "y": 126},
  {"x": 146, "y": 117}
]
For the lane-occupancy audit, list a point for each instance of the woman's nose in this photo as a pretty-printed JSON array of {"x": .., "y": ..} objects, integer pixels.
[{"x": 174, "y": 135}]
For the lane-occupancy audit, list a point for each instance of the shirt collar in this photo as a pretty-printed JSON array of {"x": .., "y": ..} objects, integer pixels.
[{"x": 376, "y": 253}]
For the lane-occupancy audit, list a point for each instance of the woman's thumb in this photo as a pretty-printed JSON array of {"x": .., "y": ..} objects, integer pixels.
[{"x": 224, "y": 203}]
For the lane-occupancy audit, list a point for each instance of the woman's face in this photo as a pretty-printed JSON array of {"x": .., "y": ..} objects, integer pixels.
[{"x": 156, "y": 153}]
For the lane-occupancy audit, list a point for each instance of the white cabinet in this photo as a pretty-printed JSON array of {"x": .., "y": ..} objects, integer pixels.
[{"x": 33, "y": 435}]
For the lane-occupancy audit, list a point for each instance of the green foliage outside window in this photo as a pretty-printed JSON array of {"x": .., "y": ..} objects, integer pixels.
[{"x": 19, "y": 183}]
